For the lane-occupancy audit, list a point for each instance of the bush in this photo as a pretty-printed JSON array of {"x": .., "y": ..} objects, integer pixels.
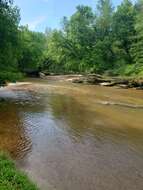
[{"x": 9, "y": 77}]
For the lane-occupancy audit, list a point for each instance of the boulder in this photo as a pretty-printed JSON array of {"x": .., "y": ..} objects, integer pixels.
[{"x": 42, "y": 75}]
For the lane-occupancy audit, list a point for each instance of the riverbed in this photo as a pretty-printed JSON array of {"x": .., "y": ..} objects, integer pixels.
[{"x": 74, "y": 137}]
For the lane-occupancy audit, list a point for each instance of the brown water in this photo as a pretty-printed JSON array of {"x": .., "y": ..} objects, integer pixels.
[{"x": 74, "y": 137}]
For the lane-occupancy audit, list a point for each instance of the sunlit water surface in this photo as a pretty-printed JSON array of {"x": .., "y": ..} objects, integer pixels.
[{"x": 74, "y": 137}]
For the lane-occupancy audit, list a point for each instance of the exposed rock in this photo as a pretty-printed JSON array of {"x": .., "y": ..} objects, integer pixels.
[
  {"x": 95, "y": 79},
  {"x": 108, "y": 81},
  {"x": 123, "y": 86},
  {"x": 77, "y": 80},
  {"x": 107, "y": 84},
  {"x": 42, "y": 75}
]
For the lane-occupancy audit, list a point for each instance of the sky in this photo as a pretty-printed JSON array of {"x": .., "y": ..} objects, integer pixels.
[{"x": 39, "y": 14}]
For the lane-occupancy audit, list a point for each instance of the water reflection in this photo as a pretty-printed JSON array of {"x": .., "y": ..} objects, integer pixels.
[{"x": 14, "y": 137}]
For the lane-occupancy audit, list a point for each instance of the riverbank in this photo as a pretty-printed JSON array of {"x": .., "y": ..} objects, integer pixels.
[
  {"x": 95, "y": 79},
  {"x": 11, "y": 178},
  {"x": 91, "y": 79}
]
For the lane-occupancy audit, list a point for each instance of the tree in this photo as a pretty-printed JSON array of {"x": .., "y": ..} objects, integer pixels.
[
  {"x": 80, "y": 36},
  {"x": 137, "y": 47},
  {"x": 9, "y": 39},
  {"x": 70, "y": 47},
  {"x": 105, "y": 41},
  {"x": 102, "y": 52},
  {"x": 123, "y": 32},
  {"x": 104, "y": 18},
  {"x": 32, "y": 50}
]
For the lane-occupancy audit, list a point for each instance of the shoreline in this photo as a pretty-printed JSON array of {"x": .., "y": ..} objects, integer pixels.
[
  {"x": 101, "y": 80},
  {"x": 89, "y": 79}
]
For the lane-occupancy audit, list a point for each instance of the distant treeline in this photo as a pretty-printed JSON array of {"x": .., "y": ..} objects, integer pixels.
[{"x": 106, "y": 40}]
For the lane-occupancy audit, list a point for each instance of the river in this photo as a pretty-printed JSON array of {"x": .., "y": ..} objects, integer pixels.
[{"x": 74, "y": 137}]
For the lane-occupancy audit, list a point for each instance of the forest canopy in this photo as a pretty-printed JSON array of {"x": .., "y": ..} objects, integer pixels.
[{"x": 107, "y": 40}]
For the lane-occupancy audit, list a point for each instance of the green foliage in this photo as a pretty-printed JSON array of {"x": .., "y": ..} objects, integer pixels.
[
  {"x": 6, "y": 76},
  {"x": 104, "y": 18},
  {"x": 107, "y": 40},
  {"x": 9, "y": 35},
  {"x": 32, "y": 50},
  {"x": 21, "y": 50},
  {"x": 70, "y": 48},
  {"x": 137, "y": 46},
  {"x": 123, "y": 31},
  {"x": 11, "y": 178},
  {"x": 93, "y": 42}
]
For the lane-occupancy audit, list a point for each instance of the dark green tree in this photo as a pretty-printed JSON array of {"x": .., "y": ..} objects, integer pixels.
[
  {"x": 9, "y": 39},
  {"x": 102, "y": 52},
  {"x": 137, "y": 47},
  {"x": 32, "y": 51},
  {"x": 123, "y": 32}
]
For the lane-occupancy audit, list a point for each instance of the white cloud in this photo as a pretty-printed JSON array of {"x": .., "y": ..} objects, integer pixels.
[{"x": 36, "y": 22}]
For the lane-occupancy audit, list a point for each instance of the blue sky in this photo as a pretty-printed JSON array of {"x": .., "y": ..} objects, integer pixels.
[{"x": 39, "y": 14}]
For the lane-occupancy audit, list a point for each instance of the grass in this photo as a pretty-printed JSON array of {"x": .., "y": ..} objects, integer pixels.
[{"x": 11, "y": 178}]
